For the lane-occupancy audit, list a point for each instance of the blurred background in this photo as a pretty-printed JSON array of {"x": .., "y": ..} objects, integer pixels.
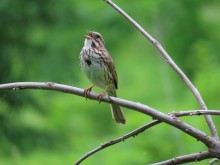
[{"x": 40, "y": 41}]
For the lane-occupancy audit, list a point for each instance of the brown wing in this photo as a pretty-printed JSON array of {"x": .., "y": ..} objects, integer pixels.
[
  {"x": 111, "y": 68},
  {"x": 114, "y": 73}
]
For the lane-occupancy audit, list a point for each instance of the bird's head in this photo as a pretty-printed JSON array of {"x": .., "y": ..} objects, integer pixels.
[{"x": 94, "y": 39}]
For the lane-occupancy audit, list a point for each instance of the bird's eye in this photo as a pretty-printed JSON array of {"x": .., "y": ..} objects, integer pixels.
[{"x": 97, "y": 36}]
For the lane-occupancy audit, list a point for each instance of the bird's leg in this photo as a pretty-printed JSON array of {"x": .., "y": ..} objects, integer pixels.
[
  {"x": 87, "y": 91},
  {"x": 101, "y": 95}
]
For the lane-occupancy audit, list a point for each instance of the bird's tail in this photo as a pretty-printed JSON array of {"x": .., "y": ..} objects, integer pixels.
[{"x": 117, "y": 113}]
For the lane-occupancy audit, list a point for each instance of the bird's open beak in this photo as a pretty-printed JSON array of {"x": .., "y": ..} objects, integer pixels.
[{"x": 88, "y": 37}]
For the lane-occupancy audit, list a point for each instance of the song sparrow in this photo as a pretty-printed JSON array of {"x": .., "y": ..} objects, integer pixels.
[{"x": 98, "y": 66}]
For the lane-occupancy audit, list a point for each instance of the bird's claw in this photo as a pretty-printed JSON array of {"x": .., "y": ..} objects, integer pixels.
[
  {"x": 100, "y": 97},
  {"x": 87, "y": 91}
]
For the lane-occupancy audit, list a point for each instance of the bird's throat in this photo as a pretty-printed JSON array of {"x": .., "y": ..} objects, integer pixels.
[{"x": 88, "y": 43}]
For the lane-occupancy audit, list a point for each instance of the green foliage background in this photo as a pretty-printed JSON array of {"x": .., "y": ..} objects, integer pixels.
[{"x": 41, "y": 40}]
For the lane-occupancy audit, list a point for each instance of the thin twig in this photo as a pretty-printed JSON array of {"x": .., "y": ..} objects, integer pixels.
[
  {"x": 171, "y": 120},
  {"x": 144, "y": 128},
  {"x": 120, "y": 139},
  {"x": 195, "y": 112},
  {"x": 195, "y": 157},
  {"x": 172, "y": 64},
  {"x": 214, "y": 161}
]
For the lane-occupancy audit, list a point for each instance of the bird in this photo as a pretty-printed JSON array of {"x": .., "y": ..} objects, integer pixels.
[{"x": 98, "y": 66}]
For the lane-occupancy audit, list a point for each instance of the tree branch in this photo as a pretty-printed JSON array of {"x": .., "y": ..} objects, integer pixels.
[
  {"x": 213, "y": 145},
  {"x": 187, "y": 158},
  {"x": 171, "y": 120},
  {"x": 120, "y": 139},
  {"x": 172, "y": 64}
]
